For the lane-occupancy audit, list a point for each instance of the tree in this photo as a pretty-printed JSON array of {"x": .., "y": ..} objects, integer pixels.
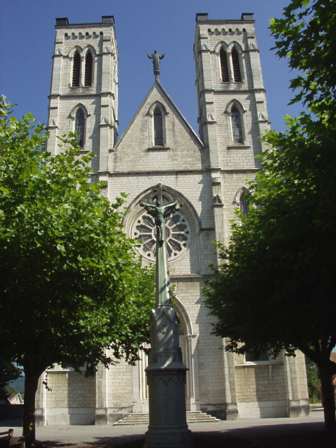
[
  {"x": 70, "y": 285},
  {"x": 274, "y": 289}
]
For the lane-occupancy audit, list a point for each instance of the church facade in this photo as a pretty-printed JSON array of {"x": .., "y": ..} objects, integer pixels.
[{"x": 207, "y": 173}]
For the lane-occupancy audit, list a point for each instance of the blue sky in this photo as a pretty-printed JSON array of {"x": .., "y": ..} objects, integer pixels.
[{"x": 27, "y": 39}]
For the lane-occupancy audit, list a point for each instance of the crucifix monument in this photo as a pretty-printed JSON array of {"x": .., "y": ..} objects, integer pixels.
[{"x": 166, "y": 373}]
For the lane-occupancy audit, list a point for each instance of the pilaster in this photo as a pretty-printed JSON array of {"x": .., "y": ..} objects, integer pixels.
[
  {"x": 295, "y": 371},
  {"x": 231, "y": 409},
  {"x": 101, "y": 396},
  {"x": 41, "y": 401}
]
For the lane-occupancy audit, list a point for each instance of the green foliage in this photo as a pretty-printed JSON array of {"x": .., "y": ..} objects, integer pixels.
[
  {"x": 305, "y": 35},
  {"x": 275, "y": 289},
  {"x": 314, "y": 386},
  {"x": 275, "y": 286},
  {"x": 70, "y": 284}
]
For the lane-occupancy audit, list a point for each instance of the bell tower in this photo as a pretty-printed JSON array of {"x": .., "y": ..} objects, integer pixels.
[
  {"x": 232, "y": 108},
  {"x": 84, "y": 88},
  {"x": 232, "y": 98}
]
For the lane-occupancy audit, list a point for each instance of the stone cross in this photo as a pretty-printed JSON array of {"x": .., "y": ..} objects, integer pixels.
[{"x": 160, "y": 212}]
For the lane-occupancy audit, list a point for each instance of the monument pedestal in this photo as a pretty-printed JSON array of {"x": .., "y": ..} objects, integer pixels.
[
  {"x": 167, "y": 413},
  {"x": 166, "y": 378},
  {"x": 166, "y": 373}
]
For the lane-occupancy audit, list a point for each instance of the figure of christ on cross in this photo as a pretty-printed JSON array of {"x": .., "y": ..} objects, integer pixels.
[{"x": 160, "y": 213}]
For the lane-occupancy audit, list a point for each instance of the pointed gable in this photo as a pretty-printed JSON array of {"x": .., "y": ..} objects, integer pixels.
[{"x": 158, "y": 138}]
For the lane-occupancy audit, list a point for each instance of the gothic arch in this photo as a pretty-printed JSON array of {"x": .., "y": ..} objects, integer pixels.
[
  {"x": 89, "y": 65},
  {"x": 73, "y": 111},
  {"x": 189, "y": 357},
  {"x": 236, "y": 44},
  {"x": 80, "y": 126},
  {"x": 78, "y": 122},
  {"x": 188, "y": 351},
  {"x": 235, "y": 102},
  {"x": 152, "y": 107},
  {"x": 76, "y": 79},
  {"x": 89, "y": 48},
  {"x": 157, "y": 125},
  {"x": 235, "y": 117},
  {"x": 224, "y": 65},
  {"x": 75, "y": 49},
  {"x": 220, "y": 45},
  {"x": 134, "y": 208},
  {"x": 183, "y": 316},
  {"x": 236, "y": 62}
]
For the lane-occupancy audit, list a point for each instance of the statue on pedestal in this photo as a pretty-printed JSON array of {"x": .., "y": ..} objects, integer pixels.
[
  {"x": 156, "y": 58},
  {"x": 166, "y": 373}
]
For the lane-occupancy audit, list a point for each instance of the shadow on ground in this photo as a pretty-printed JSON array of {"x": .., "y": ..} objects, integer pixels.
[
  {"x": 307, "y": 435},
  {"x": 128, "y": 441}
]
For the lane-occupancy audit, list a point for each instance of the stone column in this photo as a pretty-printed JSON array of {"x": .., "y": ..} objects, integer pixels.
[
  {"x": 41, "y": 401},
  {"x": 166, "y": 373},
  {"x": 231, "y": 409},
  {"x": 101, "y": 396},
  {"x": 166, "y": 377},
  {"x": 295, "y": 371}
]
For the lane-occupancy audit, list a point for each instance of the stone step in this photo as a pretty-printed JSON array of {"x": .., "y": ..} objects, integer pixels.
[{"x": 142, "y": 419}]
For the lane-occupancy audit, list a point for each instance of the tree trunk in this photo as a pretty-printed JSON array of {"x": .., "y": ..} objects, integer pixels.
[
  {"x": 328, "y": 397},
  {"x": 30, "y": 387}
]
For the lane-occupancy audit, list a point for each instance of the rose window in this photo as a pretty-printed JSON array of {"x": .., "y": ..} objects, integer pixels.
[{"x": 177, "y": 235}]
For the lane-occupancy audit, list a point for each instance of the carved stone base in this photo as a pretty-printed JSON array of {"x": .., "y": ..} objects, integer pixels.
[
  {"x": 167, "y": 412},
  {"x": 298, "y": 408},
  {"x": 231, "y": 411},
  {"x": 101, "y": 416}
]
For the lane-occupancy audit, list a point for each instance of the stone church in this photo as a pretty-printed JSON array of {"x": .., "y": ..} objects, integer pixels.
[{"x": 206, "y": 172}]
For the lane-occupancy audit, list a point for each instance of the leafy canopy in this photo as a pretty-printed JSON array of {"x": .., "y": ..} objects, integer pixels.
[
  {"x": 275, "y": 286},
  {"x": 70, "y": 284}
]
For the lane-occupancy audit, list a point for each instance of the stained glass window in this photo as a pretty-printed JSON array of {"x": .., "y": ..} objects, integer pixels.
[{"x": 177, "y": 232}]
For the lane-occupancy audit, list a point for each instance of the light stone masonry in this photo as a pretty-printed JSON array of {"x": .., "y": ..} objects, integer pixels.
[{"x": 207, "y": 174}]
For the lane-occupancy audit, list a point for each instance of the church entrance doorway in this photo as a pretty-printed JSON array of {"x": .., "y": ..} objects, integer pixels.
[{"x": 140, "y": 380}]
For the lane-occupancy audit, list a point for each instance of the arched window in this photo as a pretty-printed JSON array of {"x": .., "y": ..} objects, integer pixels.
[
  {"x": 158, "y": 127},
  {"x": 237, "y": 125},
  {"x": 76, "y": 70},
  {"x": 80, "y": 126},
  {"x": 88, "y": 69},
  {"x": 236, "y": 65},
  {"x": 244, "y": 201},
  {"x": 224, "y": 65}
]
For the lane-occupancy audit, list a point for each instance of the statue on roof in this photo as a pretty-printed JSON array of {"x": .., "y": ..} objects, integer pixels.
[{"x": 156, "y": 58}]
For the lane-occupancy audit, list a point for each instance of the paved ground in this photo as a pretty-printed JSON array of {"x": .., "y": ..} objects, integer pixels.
[{"x": 245, "y": 433}]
